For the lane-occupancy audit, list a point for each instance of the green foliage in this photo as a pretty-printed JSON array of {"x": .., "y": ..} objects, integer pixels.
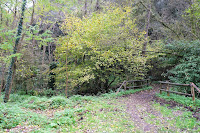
[
  {"x": 194, "y": 9},
  {"x": 34, "y": 102},
  {"x": 100, "y": 49},
  {"x": 6, "y": 45},
  {"x": 43, "y": 103},
  {"x": 65, "y": 118},
  {"x": 69, "y": 112},
  {"x": 187, "y": 71},
  {"x": 12, "y": 115},
  {"x": 176, "y": 122},
  {"x": 192, "y": 17},
  {"x": 8, "y": 116},
  {"x": 83, "y": 113},
  {"x": 18, "y": 98},
  {"x": 179, "y": 50},
  {"x": 31, "y": 75},
  {"x": 184, "y": 61},
  {"x": 186, "y": 101}
]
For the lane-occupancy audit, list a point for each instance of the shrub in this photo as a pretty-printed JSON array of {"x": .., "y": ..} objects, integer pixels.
[
  {"x": 43, "y": 103},
  {"x": 185, "y": 62}
]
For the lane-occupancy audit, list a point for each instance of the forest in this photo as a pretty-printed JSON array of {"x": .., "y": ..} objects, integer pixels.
[{"x": 61, "y": 62}]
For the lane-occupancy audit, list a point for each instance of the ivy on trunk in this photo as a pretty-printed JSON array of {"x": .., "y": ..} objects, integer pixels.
[{"x": 10, "y": 73}]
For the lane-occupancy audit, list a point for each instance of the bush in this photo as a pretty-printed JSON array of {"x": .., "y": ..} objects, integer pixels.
[
  {"x": 43, "y": 103},
  {"x": 103, "y": 56},
  {"x": 185, "y": 60},
  {"x": 18, "y": 98},
  {"x": 187, "y": 71}
]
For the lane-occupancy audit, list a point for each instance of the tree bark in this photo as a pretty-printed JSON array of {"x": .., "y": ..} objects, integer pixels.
[
  {"x": 2, "y": 78},
  {"x": 49, "y": 49},
  {"x": 1, "y": 14},
  {"x": 33, "y": 11},
  {"x": 192, "y": 19},
  {"x": 44, "y": 50},
  {"x": 10, "y": 74},
  {"x": 97, "y": 7},
  {"x": 14, "y": 71},
  {"x": 147, "y": 29},
  {"x": 15, "y": 15},
  {"x": 85, "y": 13},
  {"x": 66, "y": 74}
]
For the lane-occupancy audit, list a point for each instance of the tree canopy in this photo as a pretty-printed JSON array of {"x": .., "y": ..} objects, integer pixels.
[{"x": 92, "y": 46}]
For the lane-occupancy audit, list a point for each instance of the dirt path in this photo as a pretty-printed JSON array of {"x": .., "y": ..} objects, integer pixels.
[
  {"x": 137, "y": 105},
  {"x": 140, "y": 107}
]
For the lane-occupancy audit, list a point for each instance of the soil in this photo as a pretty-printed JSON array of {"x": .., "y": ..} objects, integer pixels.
[{"x": 140, "y": 107}]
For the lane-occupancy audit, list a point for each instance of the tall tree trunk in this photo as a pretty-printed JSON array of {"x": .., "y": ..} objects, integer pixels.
[
  {"x": 192, "y": 19},
  {"x": 2, "y": 78},
  {"x": 13, "y": 26},
  {"x": 147, "y": 28},
  {"x": 66, "y": 74},
  {"x": 15, "y": 15},
  {"x": 44, "y": 50},
  {"x": 97, "y": 7},
  {"x": 85, "y": 8},
  {"x": 1, "y": 15},
  {"x": 33, "y": 11},
  {"x": 10, "y": 74},
  {"x": 7, "y": 22},
  {"x": 14, "y": 71},
  {"x": 49, "y": 49}
]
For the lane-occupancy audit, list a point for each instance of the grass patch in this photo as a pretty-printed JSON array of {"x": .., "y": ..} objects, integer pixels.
[
  {"x": 44, "y": 103},
  {"x": 100, "y": 116},
  {"x": 12, "y": 115},
  {"x": 81, "y": 114},
  {"x": 171, "y": 121},
  {"x": 75, "y": 114},
  {"x": 186, "y": 101}
]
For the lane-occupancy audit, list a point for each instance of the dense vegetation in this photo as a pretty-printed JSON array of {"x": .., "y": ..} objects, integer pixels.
[
  {"x": 59, "y": 113},
  {"x": 85, "y": 113},
  {"x": 87, "y": 47},
  {"x": 55, "y": 52}
]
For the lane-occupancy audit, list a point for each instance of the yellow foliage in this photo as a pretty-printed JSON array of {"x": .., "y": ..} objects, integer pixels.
[{"x": 106, "y": 44}]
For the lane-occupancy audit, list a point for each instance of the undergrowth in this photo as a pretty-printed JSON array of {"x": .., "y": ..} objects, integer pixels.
[
  {"x": 102, "y": 113},
  {"x": 173, "y": 120},
  {"x": 74, "y": 114},
  {"x": 123, "y": 92},
  {"x": 12, "y": 115},
  {"x": 186, "y": 101}
]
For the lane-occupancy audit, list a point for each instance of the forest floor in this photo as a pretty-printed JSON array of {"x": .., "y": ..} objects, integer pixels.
[
  {"x": 141, "y": 112},
  {"x": 153, "y": 114}
]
